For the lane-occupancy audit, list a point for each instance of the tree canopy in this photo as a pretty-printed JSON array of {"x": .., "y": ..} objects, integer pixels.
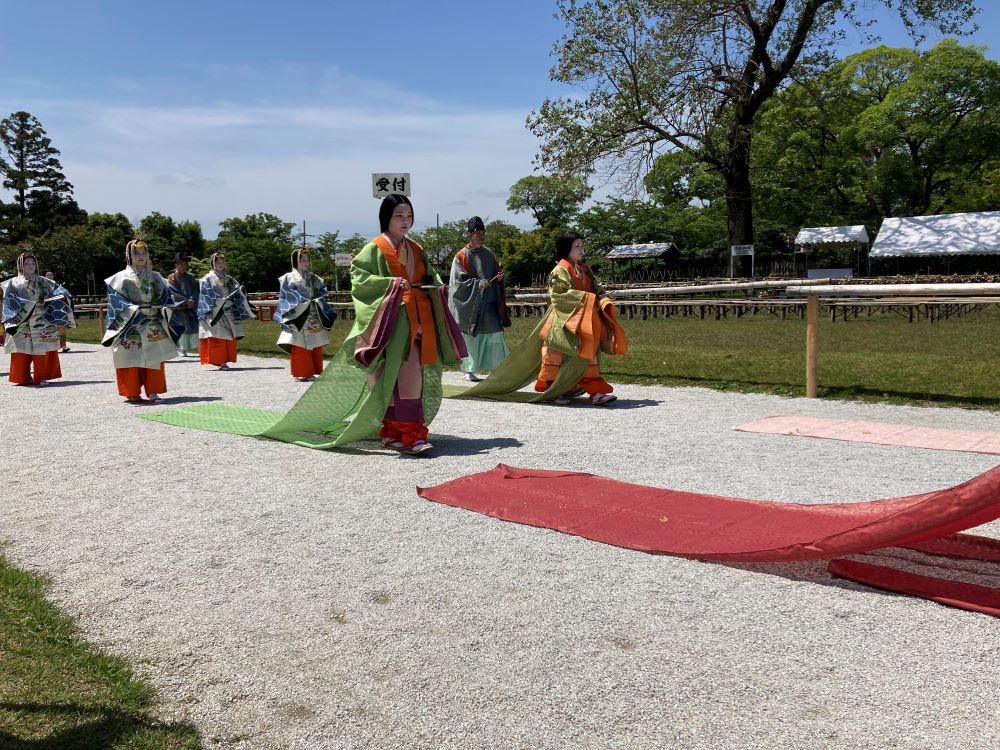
[
  {"x": 551, "y": 199},
  {"x": 693, "y": 76},
  {"x": 30, "y": 168},
  {"x": 885, "y": 132},
  {"x": 258, "y": 249}
]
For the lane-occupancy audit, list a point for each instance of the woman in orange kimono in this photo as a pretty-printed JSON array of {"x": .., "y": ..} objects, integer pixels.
[
  {"x": 585, "y": 319},
  {"x": 391, "y": 271},
  {"x": 561, "y": 354}
]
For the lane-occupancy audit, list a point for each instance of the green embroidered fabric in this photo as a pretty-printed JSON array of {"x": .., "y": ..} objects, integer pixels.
[{"x": 345, "y": 403}]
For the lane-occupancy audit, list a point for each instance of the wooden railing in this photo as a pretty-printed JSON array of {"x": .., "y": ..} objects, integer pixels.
[{"x": 802, "y": 299}]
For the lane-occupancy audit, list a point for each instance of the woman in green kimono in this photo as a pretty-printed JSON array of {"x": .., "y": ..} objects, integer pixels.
[
  {"x": 562, "y": 353},
  {"x": 385, "y": 382},
  {"x": 399, "y": 299}
]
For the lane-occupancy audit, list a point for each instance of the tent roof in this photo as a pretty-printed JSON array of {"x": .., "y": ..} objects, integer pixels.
[
  {"x": 647, "y": 250},
  {"x": 832, "y": 236},
  {"x": 944, "y": 234}
]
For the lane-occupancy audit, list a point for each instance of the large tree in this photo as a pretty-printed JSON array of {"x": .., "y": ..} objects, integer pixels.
[
  {"x": 258, "y": 249},
  {"x": 527, "y": 257},
  {"x": 322, "y": 261},
  {"x": 30, "y": 167},
  {"x": 551, "y": 199},
  {"x": 114, "y": 231},
  {"x": 885, "y": 132},
  {"x": 440, "y": 243},
  {"x": 158, "y": 231},
  {"x": 934, "y": 131},
  {"x": 692, "y": 75},
  {"x": 188, "y": 239}
]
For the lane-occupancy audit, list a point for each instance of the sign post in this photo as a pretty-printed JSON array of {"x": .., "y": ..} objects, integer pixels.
[
  {"x": 340, "y": 260},
  {"x": 735, "y": 250},
  {"x": 386, "y": 183}
]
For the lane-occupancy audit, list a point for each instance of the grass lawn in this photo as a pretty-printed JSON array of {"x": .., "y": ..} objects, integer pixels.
[
  {"x": 56, "y": 691},
  {"x": 885, "y": 358}
]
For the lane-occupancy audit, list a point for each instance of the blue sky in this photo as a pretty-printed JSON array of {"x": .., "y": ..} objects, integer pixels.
[{"x": 221, "y": 108}]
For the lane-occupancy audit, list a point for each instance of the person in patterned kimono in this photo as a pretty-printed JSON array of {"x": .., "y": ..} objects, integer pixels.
[
  {"x": 184, "y": 321},
  {"x": 63, "y": 347},
  {"x": 305, "y": 316},
  {"x": 33, "y": 308},
  {"x": 403, "y": 331},
  {"x": 563, "y": 353},
  {"x": 478, "y": 301},
  {"x": 138, "y": 327},
  {"x": 222, "y": 308}
]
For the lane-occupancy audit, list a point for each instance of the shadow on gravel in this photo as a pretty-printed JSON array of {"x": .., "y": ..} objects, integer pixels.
[
  {"x": 618, "y": 403},
  {"x": 168, "y": 401},
  {"x": 633, "y": 403},
  {"x": 444, "y": 445},
  {"x": 812, "y": 571},
  {"x": 452, "y": 445},
  {"x": 245, "y": 369},
  {"x": 96, "y": 729},
  {"x": 64, "y": 383}
]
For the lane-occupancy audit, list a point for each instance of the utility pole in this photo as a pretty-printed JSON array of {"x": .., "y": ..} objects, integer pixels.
[{"x": 303, "y": 235}]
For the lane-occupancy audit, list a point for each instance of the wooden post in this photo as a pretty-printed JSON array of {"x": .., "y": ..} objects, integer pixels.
[{"x": 812, "y": 326}]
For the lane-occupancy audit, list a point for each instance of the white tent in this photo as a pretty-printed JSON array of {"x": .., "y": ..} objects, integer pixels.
[
  {"x": 826, "y": 238},
  {"x": 810, "y": 237},
  {"x": 944, "y": 234},
  {"x": 645, "y": 250}
]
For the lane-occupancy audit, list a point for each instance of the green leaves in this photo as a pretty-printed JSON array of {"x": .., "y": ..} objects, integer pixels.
[
  {"x": 885, "y": 132},
  {"x": 551, "y": 199},
  {"x": 258, "y": 248},
  {"x": 693, "y": 76}
]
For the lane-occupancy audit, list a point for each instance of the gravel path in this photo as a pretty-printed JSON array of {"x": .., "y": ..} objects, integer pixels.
[{"x": 280, "y": 597}]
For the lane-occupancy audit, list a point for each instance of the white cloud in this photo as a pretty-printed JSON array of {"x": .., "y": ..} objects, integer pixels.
[
  {"x": 313, "y": 163},
  {"x": 189, "y": 180},
  {"x": 211, "y": 162}
]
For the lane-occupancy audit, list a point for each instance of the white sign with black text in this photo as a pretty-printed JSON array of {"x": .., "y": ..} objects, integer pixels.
[{"x": 387, "y": 183}]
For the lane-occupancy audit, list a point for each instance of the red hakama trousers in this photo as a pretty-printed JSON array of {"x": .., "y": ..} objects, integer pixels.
[
  {"x": 46, "y": 367},
  {"x": 213, "y": 351},
  {"x": 132, "y": 379},
  {"x": 306, "y": 362}
]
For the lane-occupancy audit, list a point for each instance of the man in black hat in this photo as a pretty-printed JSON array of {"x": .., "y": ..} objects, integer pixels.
[
  {"x": 184, "y": 321},
  {"x": 478, "y": 301}
]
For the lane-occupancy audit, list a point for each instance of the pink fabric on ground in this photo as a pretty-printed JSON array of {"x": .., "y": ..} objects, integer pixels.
[{"x": 879, "y": 433}]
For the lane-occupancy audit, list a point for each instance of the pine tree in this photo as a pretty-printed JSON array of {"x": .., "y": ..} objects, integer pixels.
[{"x": 29, "y": 166}]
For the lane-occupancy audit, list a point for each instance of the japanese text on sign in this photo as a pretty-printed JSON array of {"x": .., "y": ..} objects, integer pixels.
[{"x": 384, "y": 183}]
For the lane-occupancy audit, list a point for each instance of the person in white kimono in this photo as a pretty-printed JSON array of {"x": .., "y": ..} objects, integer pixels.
[
  {"x": 222, "y": 308},
  {"x": 63, "y": 347},
  {"x": 478, "y": 301},
  {"x": 138, "y": 327},
  {"x": 33, "y": 308},
  {"x": 305, "y": 316}
]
